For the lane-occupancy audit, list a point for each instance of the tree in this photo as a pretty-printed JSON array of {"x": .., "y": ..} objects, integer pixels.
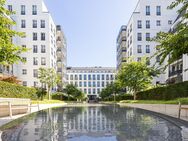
[
  {"x": 137, "y": 76},
  {"x": 9, "y": 53},
  {"x": 174, "y": 43},
  {"x": 48, "y": 77}
]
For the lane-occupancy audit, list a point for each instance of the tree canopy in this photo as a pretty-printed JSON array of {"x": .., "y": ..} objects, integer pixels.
[{"x": 9, "y": 52}]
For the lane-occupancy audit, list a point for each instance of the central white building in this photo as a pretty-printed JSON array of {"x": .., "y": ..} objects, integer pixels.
[
  {"x": 91, "y": 80},
  {"x": 148, "y": 18},
  {"x": 33, "y": 18}
]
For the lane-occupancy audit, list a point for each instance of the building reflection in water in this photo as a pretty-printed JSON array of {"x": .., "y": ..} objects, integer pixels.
[{"x": 100, "y": 123}]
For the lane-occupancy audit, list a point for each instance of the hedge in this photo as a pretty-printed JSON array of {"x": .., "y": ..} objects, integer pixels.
[
  {"x": 169, "y": 92},
  {"x": 59, "y": 96},
  {"x": 9, "y": 90},
  {"x": 120, "y": 97}
]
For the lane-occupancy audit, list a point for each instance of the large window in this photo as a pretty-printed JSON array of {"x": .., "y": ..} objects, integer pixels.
[
  {"x": 43, "y": 36},
  {"x": 43, "y": 61},
  {"x": 147, "y": 36},
  {"x": 147, "y": 24},
  {"x": 85, "y": 77},
  {"x": 22, "y": 9},
  {"x": 94, "y": 77},
  {"x": 89, "y": 77},
  {"x": 35, "y": 61},
  {"x": 139, "y": 24},
  {"x": 34, "y": 36},
  {"x": 43, "y": 49},
  {"x": 10, "y": 8},
  {"x": 24, "y": 71},
  {"x": 23, "y": 24},
  {"x": 34, "y": 23},
  {"x": 103, "y": 77},
  {"x": 139, "y": 49},
  {"x": 34, "y": 10},
  {"x": 80, "y": 77},
  {"x": 35, "y": 73},
  {"x": 35, "y": 49},
  {"x": 147, "y": 48},
  {"x": 147, "y": 10},
  {"x": 158, "y": 23},
  {"x": 42, "y": 24},
  {"x": 158, "y": 10},
  {"x": 98, "y": 77},
  {"x": 139, "y": 36},
  {"x": 98, "y": 84}
]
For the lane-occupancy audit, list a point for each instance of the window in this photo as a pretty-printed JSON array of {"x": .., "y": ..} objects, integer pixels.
[
  {"x": 35, "y": 61},
  {"x": 24, "y": 71},
  {"x": 42, "y": 24},
  {"x": 94, "y": 91},
  {"x": 148, "y": 61},
  {"x": 85, "y": 84},
  {"x": 80, "y": 84},
  {"x": 80, "y": 77},
  {"x": 103, "y": 77},
  {"x": 139, "y": 59},
  {"x": 94, "y": 84},
  {"x": 98, "y": 84},
  {"x": 147, "y": 24},
  {"x": 34, "y": 36},
  {"x": 147, "y": 49},
  {"x": 139, "y": 36},
  {"x": 35, "y": 73},
  {"x": 43, "y": 36},
  {"x": 111, "y": 77},
  {"x": 71, "y": 77},
  {"x": 85, "y": 91},
  {"x": 147, "y": 10},
  {"x": 158, "y": 59},
  {"x": 107, "y": 77},
  {"x": 24, "y": 59},
  {"x": 43, "y": 49},
  {"x": 35, "y": 49},
  {"x": 98, "y": 77},
  {"x": 22, "y": 9},
  {"x": 94, "y": 77},
  {"x": 85, "y": 77},
  {"x": 103, "y": 84},
  {"x": 24, "y": 46},
  {"x": 10, "y": 8},
  {"x": 43, "y": 61},
  {"x": 169, "y": 22},
  {"x": 89, "y": 91},
  {"x": 139, "y": 24},
  {"x": 35, "y": 84},
  {"x": 24, "y": 83},
  {"x": 23, "y": 25},
  {"x": 139, "y": 49},
  {"x": 158, "y": 10},
  {"x": 76, "y": 77},
  {"x": 89, "y": 77},
  {"x": 89, "y": 84},
  {"x": 158, "y": 23},
  {"x": 147, "y": 36},
  {"x": 98, "y": 91},
  {"x": 34, "y": 10},
  {"x": 34, "y": 23}
]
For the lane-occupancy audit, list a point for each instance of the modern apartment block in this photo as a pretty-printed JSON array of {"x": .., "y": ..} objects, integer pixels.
[
  {"x": 148, "y": 18},
  {"x": 61, "y": 56},
  {"x": 33, "y": 18},
  {"x": 121, "y": 47},
  {"x": 91, "y": 80},
  {"x": 178, "y": 70}
]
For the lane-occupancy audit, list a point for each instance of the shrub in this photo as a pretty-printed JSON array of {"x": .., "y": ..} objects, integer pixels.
[
  {"x": 169, "y": 92},
  {"x": 120, "y": 97},
  {"x": 41, "y": 93},
  {"x": 59, "y": 96},
  {"x": 9, "y": 90}
]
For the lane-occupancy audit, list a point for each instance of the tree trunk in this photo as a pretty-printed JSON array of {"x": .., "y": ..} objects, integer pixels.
[
  {"x": 49, "y": 93},
  {"x": 114, "y": 97},
  {"x": 135, "y": 97}
]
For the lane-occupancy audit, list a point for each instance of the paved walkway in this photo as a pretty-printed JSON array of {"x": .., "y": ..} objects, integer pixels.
[
  {"x": 5, "y": 120},
  {"x": 167, "y": 109}
]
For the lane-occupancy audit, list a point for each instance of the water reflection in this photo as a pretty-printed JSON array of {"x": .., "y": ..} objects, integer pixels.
[{"x": 104, "y": 123}]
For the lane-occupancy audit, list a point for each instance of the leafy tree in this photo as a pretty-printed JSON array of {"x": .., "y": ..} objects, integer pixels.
[
  {"x": 9, "y": 53},
  {"x": 136, "y": 76},
  {"x": 48, "y": 77},
  {"x": 174, "y": 43}
]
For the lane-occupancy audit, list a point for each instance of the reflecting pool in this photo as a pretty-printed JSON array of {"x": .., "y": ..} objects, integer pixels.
[{"x": 97, "y": 123}]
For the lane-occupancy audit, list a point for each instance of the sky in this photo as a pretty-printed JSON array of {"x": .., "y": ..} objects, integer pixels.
[{"x": 91, "y": 28}]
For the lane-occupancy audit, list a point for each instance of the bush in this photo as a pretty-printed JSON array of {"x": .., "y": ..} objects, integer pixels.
[
  {"x": 169, "y": 92},
  {"x": 59, "y": 96},
  {"x": 41, "y": 93},
  {"x": 9, "y": 90},
  {"x": 120, "y": 97}
]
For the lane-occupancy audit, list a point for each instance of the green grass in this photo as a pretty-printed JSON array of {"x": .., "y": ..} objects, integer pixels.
[
  {"x": 183, "y": 101},
  {"x": 45, "y": 101}
]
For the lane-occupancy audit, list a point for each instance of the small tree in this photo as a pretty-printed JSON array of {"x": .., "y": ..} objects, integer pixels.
[
  {"x": 9, "y": 53},
  {"x": 136, "y": 76},
  {"x": 48, "y": 77}
]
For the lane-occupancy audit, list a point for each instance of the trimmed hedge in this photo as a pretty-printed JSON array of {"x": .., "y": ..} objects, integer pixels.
[
  {"x": 169, "y": 92},
  {"x": 9, "y": 90},
  {"x": 59, "y": 96},
  {"x": 120, "y": 97}
]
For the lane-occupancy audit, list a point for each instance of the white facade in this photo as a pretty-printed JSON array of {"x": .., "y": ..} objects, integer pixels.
[
  {"x": 33, "y": 18},
  {"x": 91, "y": 80},
  {"x": 149, "y": 18}
]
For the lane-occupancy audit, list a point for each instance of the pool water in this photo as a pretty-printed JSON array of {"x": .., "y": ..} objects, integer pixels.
[{"x": 95, "y": 123}]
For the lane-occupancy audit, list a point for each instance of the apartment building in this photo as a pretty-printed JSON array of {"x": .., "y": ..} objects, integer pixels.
[
  {"x": 148, "y": 18},
  {"x": 61, "y": 56},
  {"x": 121, "y": 47},
  {"x": 33, "y": 18},
  {"x": 178, "y": 70},
  {"x": 91, "y": 80}
]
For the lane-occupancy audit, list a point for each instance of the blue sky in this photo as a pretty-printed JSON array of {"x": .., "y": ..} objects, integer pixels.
[{"x": 91, "y": 28}]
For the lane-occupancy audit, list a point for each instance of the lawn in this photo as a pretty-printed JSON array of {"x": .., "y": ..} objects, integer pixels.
[
  {"x": 183, "y": 101},
  {"x": 45, "y": 101}
]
